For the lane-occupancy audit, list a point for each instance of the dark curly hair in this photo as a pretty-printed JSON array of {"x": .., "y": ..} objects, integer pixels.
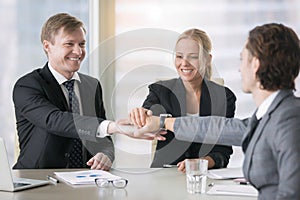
[{"x": 278, "y": 49}]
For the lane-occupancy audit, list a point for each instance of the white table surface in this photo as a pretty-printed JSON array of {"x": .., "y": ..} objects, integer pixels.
[{"x": 144, "y": 184}]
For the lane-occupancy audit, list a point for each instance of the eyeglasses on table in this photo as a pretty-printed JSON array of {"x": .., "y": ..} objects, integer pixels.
[{"x": 117, "y": 183}]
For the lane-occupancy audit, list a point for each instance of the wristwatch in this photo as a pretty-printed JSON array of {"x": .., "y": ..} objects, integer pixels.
[{"x": 162, "y": 118}]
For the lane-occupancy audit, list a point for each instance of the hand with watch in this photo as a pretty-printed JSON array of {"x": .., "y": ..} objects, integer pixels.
[
  {"x": 153, "y": 126},
  {"x": 162, "y": 118}
]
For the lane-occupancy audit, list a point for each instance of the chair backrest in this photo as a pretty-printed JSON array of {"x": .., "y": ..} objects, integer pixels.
[
  {"x": 17, "y": 148},
  {"x": 219, "y": 81}
]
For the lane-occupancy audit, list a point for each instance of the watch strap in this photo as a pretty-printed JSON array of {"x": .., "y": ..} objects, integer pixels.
[{"x": 162, "y": 120}]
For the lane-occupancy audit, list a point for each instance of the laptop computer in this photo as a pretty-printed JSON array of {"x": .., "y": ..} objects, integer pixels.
[{"x": 10, "y": 183}]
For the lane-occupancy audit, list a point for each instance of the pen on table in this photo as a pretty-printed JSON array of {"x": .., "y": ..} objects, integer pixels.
[
  {"x": 244, "y": 183},
  {"x": 241, "y": 181},
  {"x": 52, "y": 179},
  {"x": 169, "y": 166},
  {"x": 211, "y": 184}
]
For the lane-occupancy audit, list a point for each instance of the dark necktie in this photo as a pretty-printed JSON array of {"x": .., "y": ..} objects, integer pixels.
[
  {"x": 252, "y": 124},
  {"x": 75, "y": 159}
]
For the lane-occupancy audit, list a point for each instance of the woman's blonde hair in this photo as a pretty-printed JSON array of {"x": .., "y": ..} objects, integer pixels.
[{"x": 205, "y": 47}]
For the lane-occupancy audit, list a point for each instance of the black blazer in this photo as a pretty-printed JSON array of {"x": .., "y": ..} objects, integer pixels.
[
  {"x": 170, "y": 97},
  {"x": 45, "y": 127}
]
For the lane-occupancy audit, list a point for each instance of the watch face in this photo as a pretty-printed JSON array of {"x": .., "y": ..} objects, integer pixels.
[{"x": 162, "y": 120}]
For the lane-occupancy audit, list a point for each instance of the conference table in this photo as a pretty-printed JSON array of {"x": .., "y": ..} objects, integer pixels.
[{"x": 143, "y": 184}]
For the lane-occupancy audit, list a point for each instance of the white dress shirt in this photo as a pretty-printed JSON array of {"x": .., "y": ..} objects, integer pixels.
[
  {"x": 263, "y": 108},
  {"x": 102, "y": 129}
]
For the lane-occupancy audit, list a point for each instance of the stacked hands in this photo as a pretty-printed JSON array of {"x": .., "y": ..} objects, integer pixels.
[{"x": 142, "y": 124}]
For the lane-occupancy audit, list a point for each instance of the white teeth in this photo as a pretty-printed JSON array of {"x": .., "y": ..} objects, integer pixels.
[
  {"x": 186, "y": 70},
  {"x": 74, "y": 59}
]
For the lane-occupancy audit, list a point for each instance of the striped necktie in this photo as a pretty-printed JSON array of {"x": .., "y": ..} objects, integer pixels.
[{"x": 76, "y": 158}]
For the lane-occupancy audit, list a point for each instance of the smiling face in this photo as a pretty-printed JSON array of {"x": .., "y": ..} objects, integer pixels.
[
  {"x": 187, "y": 60},
  {"x": 66, "y": 51}
]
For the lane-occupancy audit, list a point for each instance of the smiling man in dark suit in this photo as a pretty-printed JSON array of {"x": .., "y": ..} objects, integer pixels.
[{"x": 59, "y": 110}]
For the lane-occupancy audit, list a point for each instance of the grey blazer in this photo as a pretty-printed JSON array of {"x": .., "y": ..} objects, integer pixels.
[{"x": 272, "y": 159}]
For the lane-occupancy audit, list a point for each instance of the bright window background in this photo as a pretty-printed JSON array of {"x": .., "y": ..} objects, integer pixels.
[{"x": 226, "y": 21}]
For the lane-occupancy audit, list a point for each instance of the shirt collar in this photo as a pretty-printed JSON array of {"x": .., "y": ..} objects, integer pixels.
[
  {"x": 60, "y": 78},
  {"x": 263, "y": 108}
]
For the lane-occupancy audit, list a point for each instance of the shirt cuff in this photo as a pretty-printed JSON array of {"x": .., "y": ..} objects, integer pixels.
[{"x": 102, "y": 129}]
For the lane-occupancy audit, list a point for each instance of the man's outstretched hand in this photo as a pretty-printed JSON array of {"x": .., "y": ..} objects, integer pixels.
[{"x": 149, "y": 131}]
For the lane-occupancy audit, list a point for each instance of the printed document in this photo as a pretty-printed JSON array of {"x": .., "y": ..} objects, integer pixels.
[
  {"x": 225, "y": 173},
  {"x": 239, "y": 190},
  {"x": 84, "y": 177}
]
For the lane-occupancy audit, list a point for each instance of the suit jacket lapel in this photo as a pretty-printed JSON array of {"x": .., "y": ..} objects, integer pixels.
[
  {"x": 85, "y": 96},
  {"x": 259, "y": 130},
  {"x": 253, "y": 141},
  {"x": 180, "y": 94},
  {"x": 88, "y": 89},
  {"x": 205, "y": 101},
  {"x": 213, "y": 99},
  {"x": 53, "y": 88}
]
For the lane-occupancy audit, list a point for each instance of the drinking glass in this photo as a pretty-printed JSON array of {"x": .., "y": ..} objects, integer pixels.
[{"x": 196, "y": 175}]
